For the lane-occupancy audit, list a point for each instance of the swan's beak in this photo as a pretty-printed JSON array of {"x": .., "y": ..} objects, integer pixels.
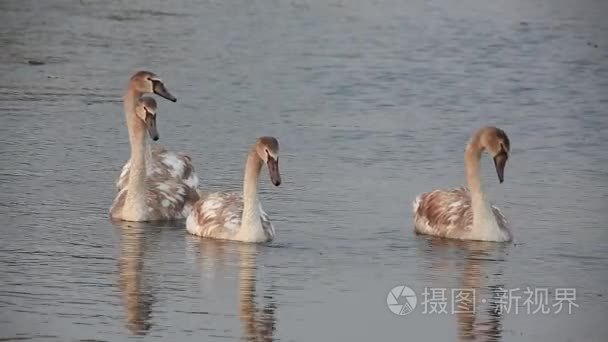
[
  {"x": 151, "y": 126},
  {"x": 500, "y": 160},
  {"x": 160, "y": 90},
  {"x": 273, "y": 170}
]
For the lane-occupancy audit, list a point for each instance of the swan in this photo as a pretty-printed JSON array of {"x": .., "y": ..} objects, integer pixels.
[
  {"x": 236, "y": 216},
  {"x": 146, "y": 198},
  {"x": 161, "y": 164},
  {"x": 463, "y": 213}
]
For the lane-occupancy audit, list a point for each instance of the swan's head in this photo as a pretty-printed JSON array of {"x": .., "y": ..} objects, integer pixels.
[
  {"x": 268, "y": 149},
  {"x": 496, "y": 142},
  {"x": 148, "y": 82},
  {"x": 146, "y": 111}
]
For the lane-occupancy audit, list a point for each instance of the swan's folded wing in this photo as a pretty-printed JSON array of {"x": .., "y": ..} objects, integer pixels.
[
  {"x": 266, "y": 224},
  {"x": 218, "y": 215},
  {"x": 164, "y": 201},
  {"x": 163, "y": 166},
  {"x": 177, "y": 165},
  {"x": 500, "y": 218},
  {"x": 122, "y": 180},
  {"x": 443, "y": 213},
  {"x": 171, "y": 200}
]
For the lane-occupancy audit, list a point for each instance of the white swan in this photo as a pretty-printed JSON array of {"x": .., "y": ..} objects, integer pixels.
[
  {"x": 146, "y": 198},
  {"x": 232, "y": 216},
  {"x": 462, "y": 213},
  {"x": 160, "y": 163}
]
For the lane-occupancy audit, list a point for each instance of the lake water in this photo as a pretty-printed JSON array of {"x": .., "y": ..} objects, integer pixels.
[{"x": 372, "y": 102}]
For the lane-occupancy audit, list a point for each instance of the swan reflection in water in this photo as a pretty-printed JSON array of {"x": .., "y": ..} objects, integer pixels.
[
  {"x": 258, "y": 322},
  {"x": 480, "y": 320},
  {"x": 137, "y": 296}
]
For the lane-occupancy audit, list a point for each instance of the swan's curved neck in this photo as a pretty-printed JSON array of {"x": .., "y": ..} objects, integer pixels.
[
  {"x": 472, "y": 156},
  {"x": 135, "y": 203},
  {"x": 250, "y": 221},
  {"x": 483, "y": 217}
]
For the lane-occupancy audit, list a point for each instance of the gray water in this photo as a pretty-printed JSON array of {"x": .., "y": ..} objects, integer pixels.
[{"x": 372, "y": 102}]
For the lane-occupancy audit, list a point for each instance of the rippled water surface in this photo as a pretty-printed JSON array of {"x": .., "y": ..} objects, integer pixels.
[{"x": 372, "y": 102}]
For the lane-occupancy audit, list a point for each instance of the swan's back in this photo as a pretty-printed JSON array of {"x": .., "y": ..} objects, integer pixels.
[
  {"x": 219, "y": 215},
  {"x": 444, "y": 213},
  {"x": 449, "y": 214},
  {"x": 164, "y": 166},
  {"x": 164, "y": 201}
]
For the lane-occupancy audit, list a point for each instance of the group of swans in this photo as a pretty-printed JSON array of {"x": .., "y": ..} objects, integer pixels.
[{"x": 156, "y": 184}]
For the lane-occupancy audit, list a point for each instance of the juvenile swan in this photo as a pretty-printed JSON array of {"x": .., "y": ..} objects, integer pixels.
[
  {"x": 146, "y": 198},
  {"x": 232, "y": 216},
  {"x": 462, "y": 213},
  {"x": 160, "y": 164}
]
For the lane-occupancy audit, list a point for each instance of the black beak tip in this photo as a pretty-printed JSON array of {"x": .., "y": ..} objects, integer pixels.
[
  {"x": 173, "y": 99},
  {"x": 277, "y": 183},
  {"x": 500, "y": 181},
  {"x": 155, "y": 138}
]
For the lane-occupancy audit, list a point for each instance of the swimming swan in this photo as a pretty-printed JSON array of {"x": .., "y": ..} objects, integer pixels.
[
  {"x": 147, "y": 198},
  {"x": 462, "y": 213},
  {"x": 236, "y": 216},
  {"x": 160, "y": 163}
]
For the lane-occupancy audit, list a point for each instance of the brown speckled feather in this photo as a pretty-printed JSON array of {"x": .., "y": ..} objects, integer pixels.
[
  {"x": 219, "y": 216},
  {"x": 164, "y": 166},
  {"x": 164, "y": 201},
  {"x": 443, "y": 213},
  {"x": 447, "y": 213}
]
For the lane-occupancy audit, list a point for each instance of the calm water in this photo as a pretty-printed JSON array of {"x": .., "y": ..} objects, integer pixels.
[{"x": 372, "y": 102}]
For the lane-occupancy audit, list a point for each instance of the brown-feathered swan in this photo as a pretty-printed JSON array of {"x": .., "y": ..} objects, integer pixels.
[
  {"x": 236, "y": 216},
  {"x": 463, "y": 213},
  {"x": 148, "y": 197},
  {"x": 161, "y": 164}
]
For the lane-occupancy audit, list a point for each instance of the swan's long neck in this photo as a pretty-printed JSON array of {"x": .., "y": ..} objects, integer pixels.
[
  {"x": 251, "y": 224},
  {"x": 483, "y": 217},
  {"x": 472, "y": 156},
  {"x": 135, "y": 203}
]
